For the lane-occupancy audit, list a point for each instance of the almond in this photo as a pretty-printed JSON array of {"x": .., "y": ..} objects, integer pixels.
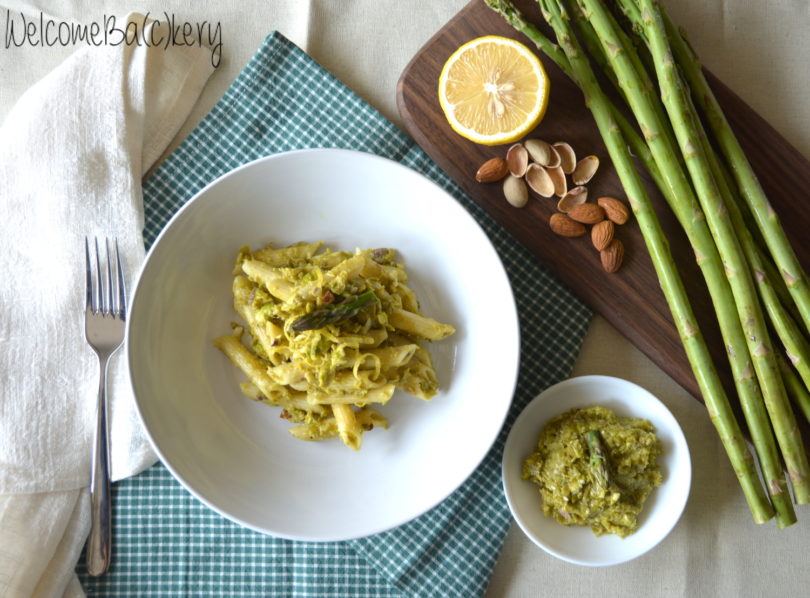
[
  {"x": 602, "y": 234},
  {"x": 587, "y": 213},
  {"x": 565, "y": 227},
  {"x": 612, "y": 256},
  {"x": 615, "y": 209},
  {"x": 492, "y": 170}
]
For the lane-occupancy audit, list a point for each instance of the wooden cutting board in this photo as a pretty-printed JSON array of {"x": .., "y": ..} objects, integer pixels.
[{"x": 630, "y": 299}]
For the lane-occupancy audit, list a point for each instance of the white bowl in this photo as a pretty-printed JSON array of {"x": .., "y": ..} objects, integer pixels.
[
  {"x": 236, "y": 455},
  {"x": 662, "y": 509}
]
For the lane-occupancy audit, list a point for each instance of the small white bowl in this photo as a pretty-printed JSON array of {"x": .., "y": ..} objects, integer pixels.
[{"x": 576, "y": 544}]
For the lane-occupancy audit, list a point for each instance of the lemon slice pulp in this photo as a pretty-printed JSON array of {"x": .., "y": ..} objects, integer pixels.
[{"x": 493, "y": 90}]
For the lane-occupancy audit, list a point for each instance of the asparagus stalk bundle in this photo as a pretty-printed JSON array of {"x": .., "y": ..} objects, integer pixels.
[
  {"x": 754, "y": 280},
  {"x": 688, "y": 132}
]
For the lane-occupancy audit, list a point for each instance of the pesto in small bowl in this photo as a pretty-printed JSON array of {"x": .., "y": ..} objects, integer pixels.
[{"x": 595, "y": 469}]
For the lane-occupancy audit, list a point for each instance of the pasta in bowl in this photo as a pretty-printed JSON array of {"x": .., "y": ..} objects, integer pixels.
[{"x": 329, "y": 331}]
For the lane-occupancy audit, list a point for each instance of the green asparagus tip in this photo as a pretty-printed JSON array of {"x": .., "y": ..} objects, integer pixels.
[
  {"x": 332, "y": 314},
  {"x": 598, "y": 459},
  {"x": 508, "y": 11}
]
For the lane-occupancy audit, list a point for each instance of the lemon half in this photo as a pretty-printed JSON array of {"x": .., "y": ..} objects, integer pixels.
[{"x": 493, "y": 90}]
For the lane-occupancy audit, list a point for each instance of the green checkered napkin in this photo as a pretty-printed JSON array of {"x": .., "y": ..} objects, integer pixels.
[{"x": 169, "y": 544}]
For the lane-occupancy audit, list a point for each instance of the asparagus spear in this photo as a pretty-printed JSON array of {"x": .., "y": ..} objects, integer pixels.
[
  {"x": 678, "y": 105},
  {"x": 598, "y": 459},
  {"x": 332, "y": 314},
  {"x": 679, "y": 194},
  {"x": 796, "y": 389},
  {"x": 646, "y": 86},
  {"x": 767, "y": 220},
  {"x": 689, "y": 65},
  {"x": 714, "y": 396},
  {"x": 751, "y": 398},
  {"x": 746, "y": 383},
  {"x": 779, "y": 312}
]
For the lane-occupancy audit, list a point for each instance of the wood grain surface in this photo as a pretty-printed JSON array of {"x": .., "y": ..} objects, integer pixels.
[{"x": 631, "y": 299}]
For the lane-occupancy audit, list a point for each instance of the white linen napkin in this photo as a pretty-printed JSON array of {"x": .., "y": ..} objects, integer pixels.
[{"x": 73, "y": 151}]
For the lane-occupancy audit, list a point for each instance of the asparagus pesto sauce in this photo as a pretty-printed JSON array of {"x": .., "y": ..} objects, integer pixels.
[{"x": 595, "y": 469}]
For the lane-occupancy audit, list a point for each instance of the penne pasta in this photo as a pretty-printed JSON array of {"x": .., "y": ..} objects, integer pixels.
[
  {"x": 331, "y": 332},
  {"x": 381, "y": 395},
  {"x": 271, "y": 278},
  {"x": 264, "y": 331},
  {"x": 348, "y": 427},
  {"x": 315, "y": 431},
  {"x": 419, "y": 325},
  {"x": 409, "y": 301},
  {"x": 251, "y": 366}
]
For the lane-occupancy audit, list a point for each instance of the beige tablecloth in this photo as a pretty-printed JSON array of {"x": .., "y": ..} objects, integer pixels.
[{"x": 758, "y": 48}]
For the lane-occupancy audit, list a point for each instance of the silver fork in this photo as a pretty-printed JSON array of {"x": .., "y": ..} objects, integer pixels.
[{"x": 104, "y": 318}]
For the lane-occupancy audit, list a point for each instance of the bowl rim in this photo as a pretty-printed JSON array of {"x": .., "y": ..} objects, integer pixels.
[
  {"x": 181, "y": 214},
  {"x": 674, "y": 429}
]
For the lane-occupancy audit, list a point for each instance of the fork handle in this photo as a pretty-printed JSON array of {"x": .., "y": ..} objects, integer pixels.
[{"x": 100, "y": 540}]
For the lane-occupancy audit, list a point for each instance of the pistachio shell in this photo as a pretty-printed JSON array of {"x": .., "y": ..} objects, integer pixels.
[
  {"x": 558, "y": 178},
  {"x": 517, "y": 158},
  {"x": 515, "y": 191},
  {"x": 542, "y": 153},
  {"x": 574, "y": 197},
  {"x": 568, "y": 158},
  {"x": 539, "y": 181},
  {"x": 584, "y": 170}
]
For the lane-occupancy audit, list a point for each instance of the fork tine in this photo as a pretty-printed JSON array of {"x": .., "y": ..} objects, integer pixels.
[
  {"x": 88, "y": 276},
  {"x": 98, "y": 284},
  {"x": 109, "y": 307},
  {"x": 122, "y": 289}
]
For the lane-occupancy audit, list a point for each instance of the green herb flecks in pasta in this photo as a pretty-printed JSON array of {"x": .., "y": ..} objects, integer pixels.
[{"x": 329, "y": 335}]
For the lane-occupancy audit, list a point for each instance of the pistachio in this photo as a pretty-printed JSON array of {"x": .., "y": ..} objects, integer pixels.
[
  {"x": 515, "y": 191},
  {"x": 568, "y": 159},
  {"x": 517, "y": 158},
  {"x": 574, "y": 197},
  {"x": 558, "y": 178},
  {"x": 542, "y": 153},
  {"x": 539, "y": 180},
  {"x": 584, "y": 170}
]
